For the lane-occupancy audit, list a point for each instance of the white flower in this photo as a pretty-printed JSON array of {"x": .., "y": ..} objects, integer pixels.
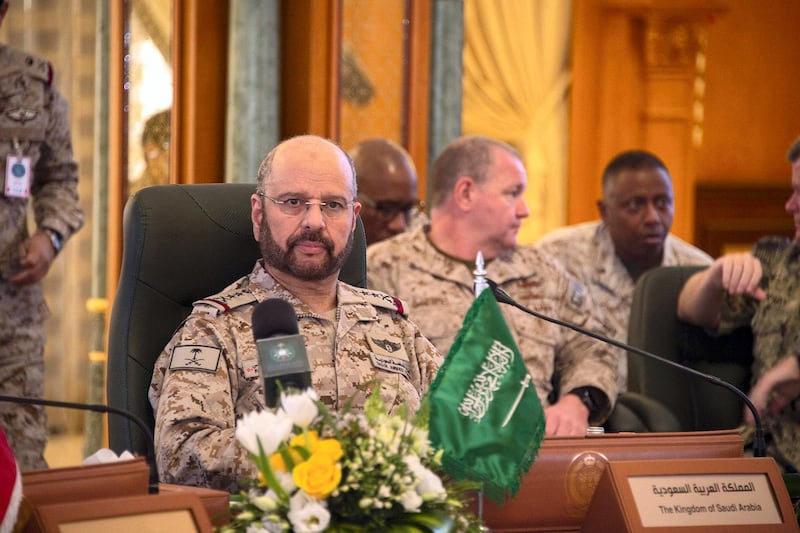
[
  {"x": 429, "y": 485},
  {"x": 301, "y": 408},
  {"x": 307, "y": 515},
  {"x": 286, "y": 481},
  {"x": 265, "y": 426},
  {"x": 266, "y": 502},
  {"x": 270, "y": 526},
  {"x": 411, "y": 501}
]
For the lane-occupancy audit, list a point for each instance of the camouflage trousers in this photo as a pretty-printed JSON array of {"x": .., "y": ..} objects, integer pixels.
[{"x": 22, "y": 374}]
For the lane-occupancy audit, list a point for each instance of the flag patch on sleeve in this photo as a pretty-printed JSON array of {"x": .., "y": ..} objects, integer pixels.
[{"x": 193, "y": 357}]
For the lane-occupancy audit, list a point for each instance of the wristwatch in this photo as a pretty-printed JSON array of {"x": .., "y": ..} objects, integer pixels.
[
  {"x": 585, "y": 397},
  {"x": 55, "y": 238}
]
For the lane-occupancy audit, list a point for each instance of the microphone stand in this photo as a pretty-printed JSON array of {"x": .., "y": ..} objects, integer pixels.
[
  {"x": 759, "y": 443},
  {"x": 98, "y": 408}
]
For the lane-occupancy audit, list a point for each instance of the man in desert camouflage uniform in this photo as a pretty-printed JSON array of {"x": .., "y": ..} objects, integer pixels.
[
  {"x": 37, "y": 165},
  {"x": 476, "y": 188},
  {"x": 608, "y": 255},
  {"x": 760, "y": 288},
  {"x": 304, "y": 215}
]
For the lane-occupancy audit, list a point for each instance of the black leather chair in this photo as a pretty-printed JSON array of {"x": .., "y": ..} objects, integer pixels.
[
  {"x": 697, "y": 404},
  {"x": 181, "y": 243}
]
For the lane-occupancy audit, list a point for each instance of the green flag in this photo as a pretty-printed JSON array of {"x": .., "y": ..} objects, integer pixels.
[{"x": 484, "y": 411}]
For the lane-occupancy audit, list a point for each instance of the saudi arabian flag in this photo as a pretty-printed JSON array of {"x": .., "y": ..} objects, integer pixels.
[{"x": 485, "y": 414}]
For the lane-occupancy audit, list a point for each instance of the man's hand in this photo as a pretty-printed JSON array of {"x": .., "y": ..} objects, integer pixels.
[
  {"x": 568, "y": 416},
  {"x": 778, "y": 386},
  {"x": 740, "y": 273},
  {"x": 701, "y": 298},
  {"x": 35, "y": 256}
]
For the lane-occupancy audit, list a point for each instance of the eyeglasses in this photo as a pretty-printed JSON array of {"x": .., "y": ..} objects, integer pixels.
[
  {"x": 330, "y": 208},
  {"x": 389, "y": 209}
]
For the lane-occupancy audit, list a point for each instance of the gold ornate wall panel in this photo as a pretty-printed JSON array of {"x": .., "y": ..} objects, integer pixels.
[
  {"x": 372, "y": 96},
  {"x": 354, "y": 69},
  {"x": 705, "y": 85},
  {"x": 645, "y": 85}
]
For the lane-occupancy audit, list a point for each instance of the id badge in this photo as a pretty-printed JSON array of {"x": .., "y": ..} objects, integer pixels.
[{"x": 18, "y": 176}]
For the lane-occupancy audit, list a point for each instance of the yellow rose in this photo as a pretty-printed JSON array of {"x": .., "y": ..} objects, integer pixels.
[
  {"x": 300, "y": 440},
  {"x": 318, "y": 476},
  {"x": 330, "y": 448},
  {"x": 277, "y": 462}
]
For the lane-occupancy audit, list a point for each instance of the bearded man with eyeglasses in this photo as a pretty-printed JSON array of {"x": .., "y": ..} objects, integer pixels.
[{"x": 304, "y": 217}]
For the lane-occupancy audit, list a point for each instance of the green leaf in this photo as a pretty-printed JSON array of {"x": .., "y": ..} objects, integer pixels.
[{"x": 428, "y": 522}]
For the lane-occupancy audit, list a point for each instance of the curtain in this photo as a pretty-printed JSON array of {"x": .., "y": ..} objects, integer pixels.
[{"x": 516, "y": 83}]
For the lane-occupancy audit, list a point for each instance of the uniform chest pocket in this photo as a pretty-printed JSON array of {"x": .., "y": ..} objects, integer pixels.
[
  {"x": 23, "y": 114},
  {"x": 388, "y": 354},
  {"x": 248, "y": 369}
]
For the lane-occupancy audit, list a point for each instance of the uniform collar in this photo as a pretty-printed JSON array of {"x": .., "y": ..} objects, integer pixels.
[
  {"x": 427, "y": 258},
  {"x": 351, "y": 302}
]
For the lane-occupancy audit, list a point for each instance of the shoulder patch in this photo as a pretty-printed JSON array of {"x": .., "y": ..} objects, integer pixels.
[
  {"x": 383, "y": 300},
  {"x": 576, "y": 296},
  {"x": 195, "y": 357},
  {"x": 226, "y": 301}
]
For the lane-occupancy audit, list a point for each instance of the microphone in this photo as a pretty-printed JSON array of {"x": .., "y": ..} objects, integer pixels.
[
  {"x": 282, "y": 358},
  {"x": 759, "y": 443},
  {"x": 98, "y": 408}
]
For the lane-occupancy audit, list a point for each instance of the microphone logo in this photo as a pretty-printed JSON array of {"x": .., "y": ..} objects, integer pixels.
[{"x": 282, "y": 353}]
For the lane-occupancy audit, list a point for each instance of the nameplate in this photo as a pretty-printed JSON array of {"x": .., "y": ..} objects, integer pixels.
[{"x": 746, "y": 494}]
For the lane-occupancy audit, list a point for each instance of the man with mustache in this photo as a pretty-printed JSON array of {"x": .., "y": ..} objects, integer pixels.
[
  {"x": 304, "y": 216},
  {"x": 387, "y": 188},
  {"x": 476, "y": 187},
  {"x": 610, "y": 254}
]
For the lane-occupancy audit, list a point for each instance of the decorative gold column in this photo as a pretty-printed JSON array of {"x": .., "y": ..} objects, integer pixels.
[
  {"x": 673, "y": 45},
  {"x": 638, "y": 71}
]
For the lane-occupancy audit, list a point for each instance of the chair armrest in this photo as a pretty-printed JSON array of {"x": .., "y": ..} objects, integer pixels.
[{"x": 640, "y": 414}]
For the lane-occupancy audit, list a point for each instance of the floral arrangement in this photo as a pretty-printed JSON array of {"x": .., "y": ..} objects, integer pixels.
[{"x": 345, "y": 472}]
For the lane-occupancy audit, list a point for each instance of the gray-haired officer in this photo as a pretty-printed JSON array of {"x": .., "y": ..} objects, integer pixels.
[
  {"x": 476, "y": 190},
  {"x": 38, "y": 169}
]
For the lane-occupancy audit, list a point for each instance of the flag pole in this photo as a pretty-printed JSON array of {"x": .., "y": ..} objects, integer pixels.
[{"x": 479, "y": 283}]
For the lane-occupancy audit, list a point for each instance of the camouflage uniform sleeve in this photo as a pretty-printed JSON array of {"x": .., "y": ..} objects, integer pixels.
[
  {"x": 194, "y": 393},
  {"x": 582, "y": 361},
  {"x": 55, "y": 184},
  {"x": 424, "y": 362},
  {"x": 738, "y": 310},
  {"x": 380, "y": 268},
  {"x": 428, "y": 358}
]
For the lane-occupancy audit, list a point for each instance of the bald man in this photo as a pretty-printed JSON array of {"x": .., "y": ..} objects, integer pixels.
[
  {"x": 387, "y": 187},
  {"x": 304, "y": 215}
]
